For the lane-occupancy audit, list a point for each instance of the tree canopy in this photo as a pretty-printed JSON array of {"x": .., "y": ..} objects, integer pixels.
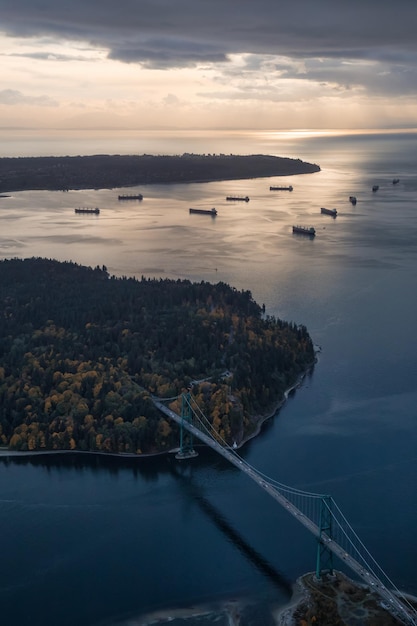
[{"x": 81, "y": 353}]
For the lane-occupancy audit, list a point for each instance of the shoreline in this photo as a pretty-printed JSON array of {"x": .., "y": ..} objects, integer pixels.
[
  {"x": 284, "y": 615},
  {"x": 259, "y": 421},
  {"x": 338, "y": 600}
]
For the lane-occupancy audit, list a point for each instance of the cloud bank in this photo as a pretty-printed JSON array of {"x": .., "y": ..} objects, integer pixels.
[
  {"x": 223, "y": 59},
  {"x": 167, "y": 33}
]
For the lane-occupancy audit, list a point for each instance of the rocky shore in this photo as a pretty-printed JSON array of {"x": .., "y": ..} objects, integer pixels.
[
  {"x": 338, "y": 601},
  {"x": 259, "y": 420}
]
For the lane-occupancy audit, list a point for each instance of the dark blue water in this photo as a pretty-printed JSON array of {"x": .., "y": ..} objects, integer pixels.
[{"x": 99, "y": 541}]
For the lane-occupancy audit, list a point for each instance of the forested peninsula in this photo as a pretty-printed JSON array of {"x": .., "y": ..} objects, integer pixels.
[
  {"x": 82, "y": 352},
  {"x": 111, "y": 171}
]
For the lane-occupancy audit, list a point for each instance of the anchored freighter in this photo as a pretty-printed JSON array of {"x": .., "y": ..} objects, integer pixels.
[
  {"x": 211, "y": 212},
  {"x": 304, "y": 230}
]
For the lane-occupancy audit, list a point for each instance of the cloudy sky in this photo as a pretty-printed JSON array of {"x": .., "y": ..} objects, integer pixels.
[{"x": 238, "y": 64}]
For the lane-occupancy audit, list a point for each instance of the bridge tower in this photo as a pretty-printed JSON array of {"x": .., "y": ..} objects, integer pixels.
[
  {"x": 186, "y": 450},
  {"x": 324, "y": 563}
]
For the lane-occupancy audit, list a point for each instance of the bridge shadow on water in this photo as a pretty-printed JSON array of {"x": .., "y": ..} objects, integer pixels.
[{"x": 194, "y": 492}]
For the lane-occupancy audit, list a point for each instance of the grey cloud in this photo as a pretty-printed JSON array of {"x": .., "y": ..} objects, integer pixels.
[
  {"x": 165, "y": 53},
  {"x": 46, "y": 56},
  {"x": 12, "y": 97},
  {"x": 263, "y": 75},
  {"x": 378, "y": 78},
  {"x": 171, "y": 99},
  {"x": 130, "y": 28},
  {"x": 167, "y": 33}
]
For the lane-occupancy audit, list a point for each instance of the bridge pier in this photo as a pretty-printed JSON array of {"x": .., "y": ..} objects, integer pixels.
[
  {"x": 186, "y": 450},
  {"x": 186, "y": 454}
]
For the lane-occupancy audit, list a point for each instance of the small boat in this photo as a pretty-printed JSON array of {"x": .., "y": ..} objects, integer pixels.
[
  {"x": 241, "y": 198},
  {"x": 352, "y": 199},
  {"x": 289, "y": 188},
  {"x": 137, "y": 196},
  {"x": 395, "y": 181},
  {"x": 95, "y": 211},
  {"x": 212, "y": 212},
  {"x": 375, "y": 188},
  {"x": 304, "y": 230},
  {"x": 332, "y": 212}
]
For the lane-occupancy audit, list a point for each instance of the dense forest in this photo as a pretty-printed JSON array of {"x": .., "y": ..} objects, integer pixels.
[
  {"x": 81, "y": 354},
  {"x": 110, "y": 171}
]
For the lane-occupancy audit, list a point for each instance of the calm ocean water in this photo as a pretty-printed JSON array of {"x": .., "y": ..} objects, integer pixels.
[{"x": 102, "y": 541}]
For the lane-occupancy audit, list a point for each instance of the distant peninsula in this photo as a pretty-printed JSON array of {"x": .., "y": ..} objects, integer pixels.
[{"x": 112, "y": 171}]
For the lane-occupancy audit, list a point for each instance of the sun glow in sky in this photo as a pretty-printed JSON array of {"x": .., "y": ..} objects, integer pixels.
[{"x": 201, "y": 64}]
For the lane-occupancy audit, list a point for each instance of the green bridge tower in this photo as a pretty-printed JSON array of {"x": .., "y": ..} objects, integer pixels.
[
  {"x": 324, "y": 563},
  {"x": 186, "y": 450}
]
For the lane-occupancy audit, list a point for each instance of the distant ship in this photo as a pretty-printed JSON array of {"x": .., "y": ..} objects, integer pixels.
[
  {"x": 241, "y": 198},
  {"x": 290, "y": 188},
  {"x": 352, "y": 199},
  {"x": 375, "y": 188},
  {"x": 395, "y": 181},
  {"x": 211, "y": 212},
  {"x": 87, "y": 210},
  {"x": 137, "y": 196},
  {"x": 332, "y": 212},
  {"x": 304, "y": 230}
]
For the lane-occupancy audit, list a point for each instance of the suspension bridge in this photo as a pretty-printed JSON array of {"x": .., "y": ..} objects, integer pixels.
[{"x": 319, "y": 513}]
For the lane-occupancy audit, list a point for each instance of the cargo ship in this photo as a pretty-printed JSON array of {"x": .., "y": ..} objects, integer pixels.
[
  {"x": 137, "y": 196},
  {"x": 304, "y": 230},
  {"x": 87, "y": 210},
  {"x": 352, "y": 199},
  {"x": 241, "y": 198},
  {"x": 290, "y": 188},
  {"x": 211, "y": 212},
  {"x": 332, "y": 212}
]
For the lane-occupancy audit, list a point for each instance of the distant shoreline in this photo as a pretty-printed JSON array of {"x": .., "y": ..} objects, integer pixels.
[{"x": 117, "y": 171}]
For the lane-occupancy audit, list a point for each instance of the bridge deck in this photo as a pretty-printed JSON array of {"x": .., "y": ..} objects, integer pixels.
[{"x": 394, "y": 605}]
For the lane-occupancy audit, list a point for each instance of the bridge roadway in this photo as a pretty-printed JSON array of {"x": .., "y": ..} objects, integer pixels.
[{"x": 394, "y": 605}]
